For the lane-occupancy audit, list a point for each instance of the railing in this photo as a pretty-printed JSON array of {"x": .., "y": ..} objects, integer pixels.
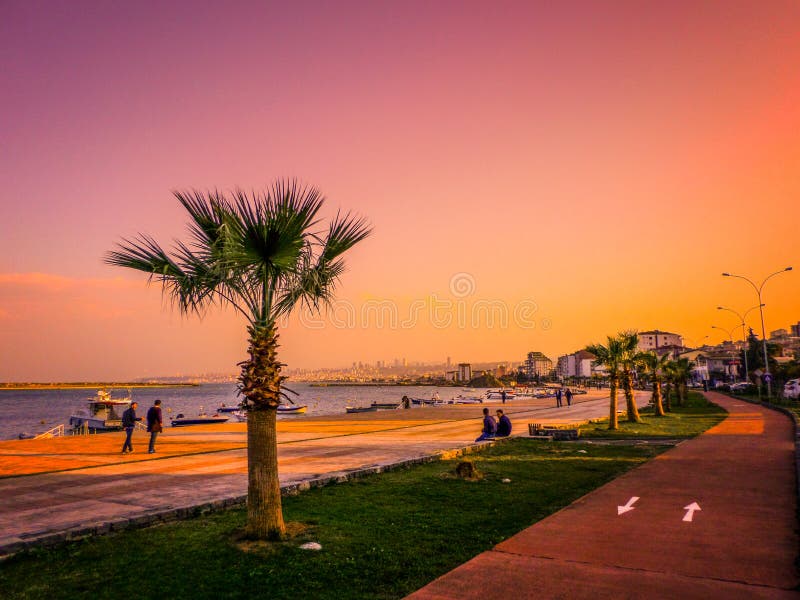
[{"x": 54, "y": 432}]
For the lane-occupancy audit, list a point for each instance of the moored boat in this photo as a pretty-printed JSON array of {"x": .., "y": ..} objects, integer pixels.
[
  {"x": 385, "y": 405},
  {"x": 227, "y": 409},
  {"x": 295, "y": 409},
  {"x": 360, "y": 409},
  {"x": 202, "y": 419},
  {"x": 103, "y": 413}
]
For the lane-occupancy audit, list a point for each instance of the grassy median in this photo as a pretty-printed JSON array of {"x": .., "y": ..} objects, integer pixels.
[
  {"x": 382, "y": 537},
  {"x": 697, "y": 415}
]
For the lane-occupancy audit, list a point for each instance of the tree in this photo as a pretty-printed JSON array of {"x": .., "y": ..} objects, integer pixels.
[
  {"x": 655, "y": 367},
  {"x": 610, "y": 356},
  {"x": 263, "y": 255},
  {"x": 680, "y": 371},
  {"x": 629, "y": 343}
]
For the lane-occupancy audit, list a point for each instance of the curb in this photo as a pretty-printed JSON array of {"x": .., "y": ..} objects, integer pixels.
[{"x": 12, "y": 546}]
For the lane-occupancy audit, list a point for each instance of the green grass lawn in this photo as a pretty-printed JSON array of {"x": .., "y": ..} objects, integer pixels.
[
  {"x": 697, "y": 415},
  {"x": 382, "y": 537}
]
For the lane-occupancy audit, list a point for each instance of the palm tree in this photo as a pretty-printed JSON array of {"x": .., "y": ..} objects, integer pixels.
[
  {"x": 261, "y": 254},
  {"x": 629, "y": 342},
  {"x": 655, "y": 367},
  {"x": 610, "y": 357},
  {"x": 681, "y": 370}
]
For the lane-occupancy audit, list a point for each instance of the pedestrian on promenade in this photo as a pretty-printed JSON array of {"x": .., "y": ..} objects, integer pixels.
[
  {"x": 154, "y": 424},
  {"x": 503, "y": 396},
  {"x": 558, "y": 398},
  {"x": 128, "y": 423},
  {"x": 568, "y": 394},
  {"x": 489, "y": 427},
  {"x": 503, "y": 424}
]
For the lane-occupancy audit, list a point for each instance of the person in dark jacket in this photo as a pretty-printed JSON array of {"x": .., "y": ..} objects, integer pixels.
[
  {"x": 558, "y": 398},
  {"x": 128, "y": 423},
  {"x": 489, "y": 427},
  {"x": 568, "y": 395},
  {"x": 503, "y": 424},
  {"x": 154, "y": 424}
]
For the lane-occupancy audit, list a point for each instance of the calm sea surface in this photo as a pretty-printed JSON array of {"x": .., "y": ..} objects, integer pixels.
[{"x": 35, "y": 411}]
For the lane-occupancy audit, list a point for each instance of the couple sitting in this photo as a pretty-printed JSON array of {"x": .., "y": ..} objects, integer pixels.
[{"x": 492, "y": 428}]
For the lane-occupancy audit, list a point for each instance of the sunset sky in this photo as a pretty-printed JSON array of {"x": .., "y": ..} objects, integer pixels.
[{"x": 595, "y": 165}]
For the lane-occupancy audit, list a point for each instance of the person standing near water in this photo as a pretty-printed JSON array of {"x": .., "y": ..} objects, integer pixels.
[
  {"x": 128, "y": 423},
  {"x": 154, "y": 424},
  {"x": 568, "y": 394},
  {"x": 558, "y": 398}
]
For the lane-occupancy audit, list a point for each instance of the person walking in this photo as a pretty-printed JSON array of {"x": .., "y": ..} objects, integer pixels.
[
  {"x": 503, "y": 396},
  {"x": 568, "y": 394},
  {"x": 154, "y": 424},
  {"x": 128, "y": 423},
  {"x": 503, "y": 424},
  {"x": 558, "y": 398},
  {"x": 489, "y": 427}
]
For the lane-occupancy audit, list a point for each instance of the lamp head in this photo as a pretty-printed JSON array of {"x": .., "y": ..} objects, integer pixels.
[
  {"x": 720, "y": 308},
  {"x": 788, "y": 269},
  {"x": 726, "y": 274}
]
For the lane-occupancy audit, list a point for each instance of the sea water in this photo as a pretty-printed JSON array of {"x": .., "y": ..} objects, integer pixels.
[{"x": 36, "y": 411}]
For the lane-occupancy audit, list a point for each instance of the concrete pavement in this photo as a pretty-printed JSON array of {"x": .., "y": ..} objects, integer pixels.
[
  {"x": 741, "y": 541},
  {"x": 60, "y": 488}
]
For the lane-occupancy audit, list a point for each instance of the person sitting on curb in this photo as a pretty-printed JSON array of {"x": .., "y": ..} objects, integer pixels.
[
  {"x": 489, "y": 427},
  {"x": 503, "y": 424}
]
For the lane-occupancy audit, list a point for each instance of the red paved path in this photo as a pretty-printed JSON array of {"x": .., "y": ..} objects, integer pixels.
[{"x": 742, "y": 544}]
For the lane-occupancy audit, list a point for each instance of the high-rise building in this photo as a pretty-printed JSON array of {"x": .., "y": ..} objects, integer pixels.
[
  {"x": 464, "y": 371},
  {"x": 538, "y": 364},
  {"x": 653, "y": 340},
  {"x": 796, "y": 330}
]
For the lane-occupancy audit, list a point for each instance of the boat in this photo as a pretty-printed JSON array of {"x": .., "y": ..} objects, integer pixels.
[
  {"x": 295, "y": 409},
  {"x": 227, "y": 409},
  {"x": 467, "y": 400},
  {"x": 385, "y": 405},
  {"x": 202, "y": 419},
  {"x": 103, "y": 413},
  {"x": 498, "y": 395},
  {"x": 360, "y": 409},
  {"x": 241, "y": 415}
]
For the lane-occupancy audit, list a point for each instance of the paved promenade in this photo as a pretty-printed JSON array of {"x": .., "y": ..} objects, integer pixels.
[
  {"x": 714, "y": 517},
  {"x": 77, "y": 485}
]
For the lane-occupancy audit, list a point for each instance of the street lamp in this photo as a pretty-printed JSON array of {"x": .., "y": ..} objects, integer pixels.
[
  {"x": 744, "y": 333},
  {"x": 761, "y": 310}
]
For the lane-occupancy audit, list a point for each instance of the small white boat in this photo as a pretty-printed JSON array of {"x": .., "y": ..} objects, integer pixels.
[
  {"x": 467, "y": 400},
  {"x": 202, "y": 419},
  {"x": 295, "y": 409},
  {"x": 104, "y": 413},
  {"x": 498, "y": 395}
]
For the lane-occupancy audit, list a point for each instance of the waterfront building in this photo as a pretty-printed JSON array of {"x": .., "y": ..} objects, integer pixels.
[
  {"x": 656, "y": 340},
  {"x": 464, "y": 371},
  {"x": 538, "y": 364},
  {"x": 795, "y": 330},
  {"x": 577, "y": 364}
]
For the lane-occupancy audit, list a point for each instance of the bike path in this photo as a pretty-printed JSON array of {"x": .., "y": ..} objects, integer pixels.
[{"x": 714, "y": 517}]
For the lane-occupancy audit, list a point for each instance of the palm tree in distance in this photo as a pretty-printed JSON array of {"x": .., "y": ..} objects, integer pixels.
[
  {"x": 629, "y": 342},
  {"x": 681, "y": 371},
  {"x": 655, "y": 367},
  {"x": 610, "y": 356},
  {"x": 263, "y": 255}
]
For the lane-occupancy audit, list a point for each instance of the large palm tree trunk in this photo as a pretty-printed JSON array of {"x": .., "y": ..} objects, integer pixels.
[
  {"x": 658, "y": 405},
  {"x": 630, "y": 401},
  {"x": 668, "y": 397},
  {"x": 260, "y": 383},
  {"x": 613, "y": 420}
]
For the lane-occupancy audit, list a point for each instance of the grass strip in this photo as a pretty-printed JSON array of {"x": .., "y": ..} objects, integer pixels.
[
  {"x": 687, "y": 421},
  {"x": 382, "y": 536}
]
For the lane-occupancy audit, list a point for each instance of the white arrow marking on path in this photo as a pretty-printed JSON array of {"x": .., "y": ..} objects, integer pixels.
[
  {"x": 629, "y": 506},
  {"x": 690, "y": 511}
]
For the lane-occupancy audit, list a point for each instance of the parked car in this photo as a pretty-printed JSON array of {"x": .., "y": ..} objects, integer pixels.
[
  {"x": 743, "y": 386},
  {"x": 791, "y": 389}
]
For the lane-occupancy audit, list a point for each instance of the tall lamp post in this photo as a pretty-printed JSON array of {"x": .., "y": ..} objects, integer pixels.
[
  {"x": 729, "y": 333},
  {"x": 743, "y": 323},
  {"x": 758, "y": 290}
]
